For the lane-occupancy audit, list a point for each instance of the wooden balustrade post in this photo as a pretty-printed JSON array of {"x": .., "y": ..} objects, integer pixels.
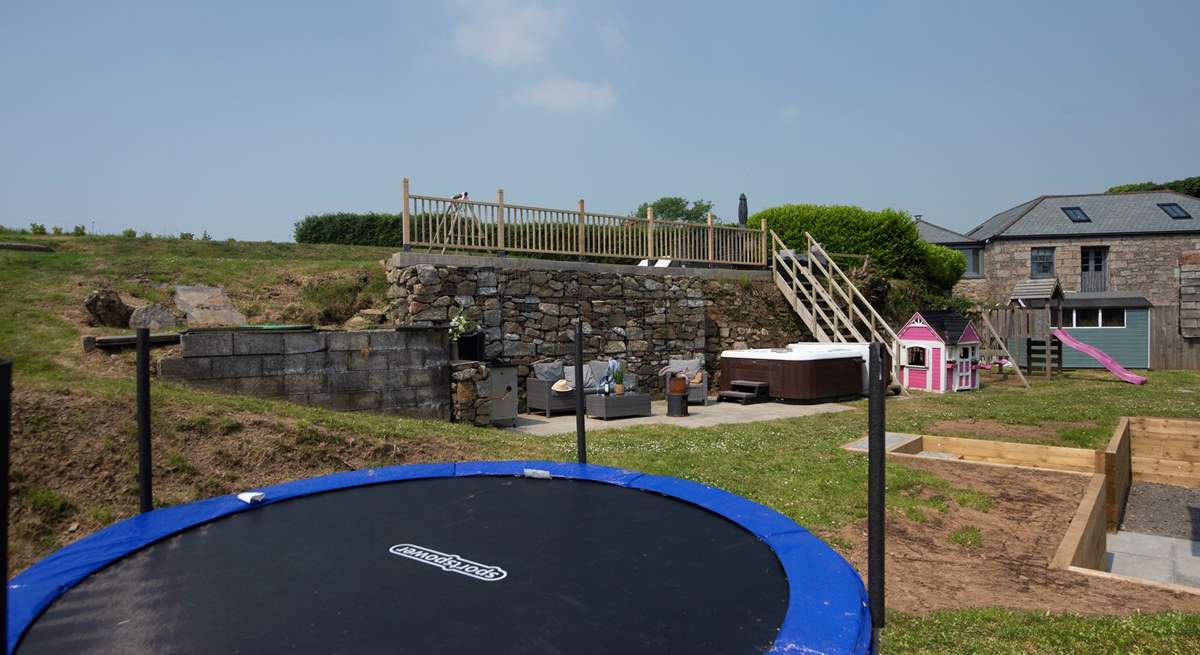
[
  {"x": 500, "y": 247},
  {"x": 649, "y": 233},
  {"x": 582, "y": 229},
  {"x": 711, "y": 250},
  {"x": 405, "y": 221},
  {"x": 763, "y": 252}
]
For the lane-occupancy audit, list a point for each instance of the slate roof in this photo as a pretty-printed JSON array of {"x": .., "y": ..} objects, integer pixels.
[
  {"x": 1110, "y": 213},
  {"x": 940, "y": 235},
  {"x": 949, "y": 325}
]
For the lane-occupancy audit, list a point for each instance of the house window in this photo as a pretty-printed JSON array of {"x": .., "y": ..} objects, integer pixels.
[
  {"x": 964, "y": 352},
  {"x": 1041, "y": 262},
  {"x": 1174, "y": 210},
  {"x": 1076, "y": 215},
  {"x": 1092, "y": 264},
  {"x": 974, "y": 257},
  {"x": 916, "y": 356}
]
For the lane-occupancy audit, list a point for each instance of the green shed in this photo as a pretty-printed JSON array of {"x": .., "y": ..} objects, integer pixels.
[{"x": 1115, "y": 322}]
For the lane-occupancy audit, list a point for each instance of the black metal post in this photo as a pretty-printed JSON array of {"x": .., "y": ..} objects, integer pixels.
[
  {"x": 580, "y": 408},
  {"x": 876, "y": 479},
  {"x": 145, "y": 488},
  {"x": 5, "y": 436}
]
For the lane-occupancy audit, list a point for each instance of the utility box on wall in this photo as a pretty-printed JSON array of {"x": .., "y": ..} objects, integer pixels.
[{"x": 502, "y": 390}]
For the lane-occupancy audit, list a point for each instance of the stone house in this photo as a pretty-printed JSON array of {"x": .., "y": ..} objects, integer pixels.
[
  {"x": 1127, "y": 242},
  {"x": 1098, "y": 246}
]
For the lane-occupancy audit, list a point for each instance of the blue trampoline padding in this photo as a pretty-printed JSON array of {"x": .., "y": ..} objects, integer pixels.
[{"x": 827, "y": 604}]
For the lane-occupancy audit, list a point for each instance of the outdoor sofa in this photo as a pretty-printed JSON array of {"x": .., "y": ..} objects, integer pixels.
[{"x": 541, "y": 397}]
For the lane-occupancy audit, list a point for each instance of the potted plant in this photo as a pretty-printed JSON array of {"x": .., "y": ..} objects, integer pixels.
[
  {"x": 460, "y": 325},
  {"x": 619, "y": 380}
]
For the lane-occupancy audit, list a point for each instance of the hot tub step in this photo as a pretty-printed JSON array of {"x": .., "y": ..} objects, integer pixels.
[
  {"x": 742, "y": 397},
  {"x": 745, "y": 392}
]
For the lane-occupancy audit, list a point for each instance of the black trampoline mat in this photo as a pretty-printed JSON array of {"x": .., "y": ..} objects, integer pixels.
[{"x": 587, "y": 568}]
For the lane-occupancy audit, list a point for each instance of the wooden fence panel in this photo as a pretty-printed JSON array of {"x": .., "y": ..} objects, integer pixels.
[{"x": 1168, "y": 349}]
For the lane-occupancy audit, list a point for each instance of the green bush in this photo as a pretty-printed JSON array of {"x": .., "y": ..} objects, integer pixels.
[
  {"x": 373, "y": 229},
  {"x": 79, "y": 231},
  {"x": 186, "y": 236},
  {"x": 943, "y": 266},
  {"x": 129, "y": 233},
  {"x": 889, "y": 237},
  {"x": 37, "y": 228},
  {"x": 56, "y": 231},
  {"x": 1187, "y": 186}
]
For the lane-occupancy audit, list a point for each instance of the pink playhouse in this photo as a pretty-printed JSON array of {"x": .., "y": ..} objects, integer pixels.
[{"x": 939, "y": 352}]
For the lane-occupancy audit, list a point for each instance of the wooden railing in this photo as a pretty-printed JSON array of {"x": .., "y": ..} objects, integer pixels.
[{"x": 465, "y": 224}]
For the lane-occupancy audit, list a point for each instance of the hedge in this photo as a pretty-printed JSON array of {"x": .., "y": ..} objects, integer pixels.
[
  {"x": 373, "y": 229},
  {"x": 889, "y": 237}
]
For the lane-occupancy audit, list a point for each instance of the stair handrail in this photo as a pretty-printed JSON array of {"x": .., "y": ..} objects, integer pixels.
[{"x": 814, "y": 245}]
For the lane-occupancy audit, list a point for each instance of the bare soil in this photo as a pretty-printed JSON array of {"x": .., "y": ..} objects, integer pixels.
[
  {"x": 1020, "y": 532},
  {"x": 995, "y": 430},
  {"x": 74, "y": 461}
]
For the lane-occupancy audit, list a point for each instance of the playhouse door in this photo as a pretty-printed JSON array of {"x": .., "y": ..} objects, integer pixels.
[{"x": 962, "y": 369}]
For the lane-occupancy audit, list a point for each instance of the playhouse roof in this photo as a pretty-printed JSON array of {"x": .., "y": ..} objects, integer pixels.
[
  {"x": 1037, "y": 289},
  {"x": 948, "y": 325}
]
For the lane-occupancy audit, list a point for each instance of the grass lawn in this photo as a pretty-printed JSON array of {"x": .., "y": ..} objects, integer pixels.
[{"x": 73, "y": 461}]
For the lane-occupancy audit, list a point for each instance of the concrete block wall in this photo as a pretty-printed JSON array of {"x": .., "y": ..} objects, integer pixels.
[{"x": 405, "y": 371}]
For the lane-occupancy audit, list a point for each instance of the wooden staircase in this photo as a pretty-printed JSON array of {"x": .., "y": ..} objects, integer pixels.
[{"x": 828, "y": 303}]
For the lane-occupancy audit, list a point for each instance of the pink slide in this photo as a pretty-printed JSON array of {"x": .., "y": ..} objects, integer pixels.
[{"x": 1098, "y": 355}]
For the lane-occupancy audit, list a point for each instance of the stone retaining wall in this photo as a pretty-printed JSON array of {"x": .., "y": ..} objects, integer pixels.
[
  {"x": 642, "y": 316},
  {"x": 468, "y": 384},
  {"x": 404, "y": 371}
]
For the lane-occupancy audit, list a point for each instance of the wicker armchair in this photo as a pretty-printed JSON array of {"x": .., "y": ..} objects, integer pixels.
[{"x": 697, "y": 392}]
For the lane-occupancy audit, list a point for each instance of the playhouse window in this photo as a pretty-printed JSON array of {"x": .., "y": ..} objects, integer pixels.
[
  {"x": 916, "y": 356},
  {"x": 1041, "y": 262},
  {"x": 964, "y": 352}
]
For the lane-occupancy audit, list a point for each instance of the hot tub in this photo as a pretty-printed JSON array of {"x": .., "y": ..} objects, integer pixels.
[{"x": 801, "y": 371}]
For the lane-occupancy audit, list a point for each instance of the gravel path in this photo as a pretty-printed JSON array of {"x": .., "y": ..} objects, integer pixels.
[{"x": 1164, "y": 510}]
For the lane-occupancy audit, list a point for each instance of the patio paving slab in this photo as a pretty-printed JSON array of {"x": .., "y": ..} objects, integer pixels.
[
  {"x": 1151, "y": 557},
  {"x": 699, "y": 416}
]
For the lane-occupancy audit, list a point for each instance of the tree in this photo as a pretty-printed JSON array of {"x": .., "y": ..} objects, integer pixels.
[
  {"x": 674, "y": 208},
  {"x": 1188, "y": 186}
]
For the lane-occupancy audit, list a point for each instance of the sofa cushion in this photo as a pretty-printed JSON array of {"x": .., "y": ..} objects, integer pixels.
[
  {"x": 589, "y": 381},
  {"x": 550, "y": 371},
  {"x": 688, "y": 367}
]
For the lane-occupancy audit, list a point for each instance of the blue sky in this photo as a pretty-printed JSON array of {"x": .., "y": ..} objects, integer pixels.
[{"x": 241, "y": 117}]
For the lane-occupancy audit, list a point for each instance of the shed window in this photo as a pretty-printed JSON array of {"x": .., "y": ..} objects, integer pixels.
[
  {"x": 1041, "y": 262},
  {"x": 1087, "y": 318},
  {"x": 1076, "y": 215},
  {"x": 1112, "y": 318},
  {"x": 1174, "y": 210},
  {"x": 916, "y": 356},
  {"x": 1108, "y": 317}
]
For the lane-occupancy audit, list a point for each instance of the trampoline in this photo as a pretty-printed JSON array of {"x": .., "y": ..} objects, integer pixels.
[{"x": 486, "y": 557}]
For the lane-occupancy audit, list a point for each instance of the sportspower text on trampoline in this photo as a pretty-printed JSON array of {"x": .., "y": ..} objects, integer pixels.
[{"x": 448, "y": 562}]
